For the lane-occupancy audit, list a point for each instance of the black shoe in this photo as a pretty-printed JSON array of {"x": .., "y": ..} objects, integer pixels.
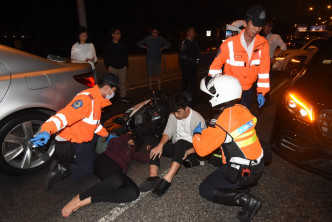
[
  {"x": 57, "y": 171},
  {"x": 250, "y": 208},
  {"x": 190, "y": 162},
  {"x": 149, "y": 184},
  {"x": 125, "y": 99},
  {"x": 161, "y": 188}
]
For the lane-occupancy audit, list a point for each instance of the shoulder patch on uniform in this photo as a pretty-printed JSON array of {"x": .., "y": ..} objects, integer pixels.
[{"x": 77, "y": 104}]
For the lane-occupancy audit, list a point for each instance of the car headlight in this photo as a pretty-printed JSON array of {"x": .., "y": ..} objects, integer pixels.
[
  {"x": 281, "y": 57},
  {"x": 300, "y": 108}
]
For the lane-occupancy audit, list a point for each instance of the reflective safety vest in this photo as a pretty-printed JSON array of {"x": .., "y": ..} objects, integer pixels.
[
  {"x": 80, "y": 119},
  {"x": 234, "y": 132},
  {"x": 236, "y": 62}
]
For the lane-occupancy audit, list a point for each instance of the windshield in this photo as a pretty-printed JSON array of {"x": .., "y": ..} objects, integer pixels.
[
  {"x": 296, "y": 43},
  {"x": 324, "y": 55}
]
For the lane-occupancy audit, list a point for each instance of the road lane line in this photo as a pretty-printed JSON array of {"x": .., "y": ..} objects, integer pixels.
[
  {"x": 280, "y": 85},
  {"x": 117, "y": 211}
]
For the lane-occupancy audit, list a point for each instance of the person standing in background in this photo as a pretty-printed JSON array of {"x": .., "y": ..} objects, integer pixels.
[
  {"x": 246, "y": 57},
  {"x": 188, "y": 59},
  {"x": 116, "y": 60},
  {"x": 274, "y": 41},
  {"x": 154, "y": 44},
  {"x": 84, "y": 51}
]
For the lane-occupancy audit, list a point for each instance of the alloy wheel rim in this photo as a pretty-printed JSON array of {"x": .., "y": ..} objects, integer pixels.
[{"x": 18, "y": 150}]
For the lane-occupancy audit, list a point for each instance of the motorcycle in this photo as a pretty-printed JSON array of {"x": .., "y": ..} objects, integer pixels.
[{"x": 146, "y": 121}]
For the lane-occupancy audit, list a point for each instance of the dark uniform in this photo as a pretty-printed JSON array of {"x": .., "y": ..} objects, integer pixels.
[{"x": 188, "y": 59}]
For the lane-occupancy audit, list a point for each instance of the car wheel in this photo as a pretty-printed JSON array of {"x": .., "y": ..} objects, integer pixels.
[{"x": 18, "y": 156}]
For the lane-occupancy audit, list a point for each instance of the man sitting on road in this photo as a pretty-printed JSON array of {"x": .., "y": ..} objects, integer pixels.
[{"x": 180, "y": 125}]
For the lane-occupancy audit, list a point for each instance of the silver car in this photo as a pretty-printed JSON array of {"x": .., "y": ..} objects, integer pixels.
[{"x": 31, "y": 89}]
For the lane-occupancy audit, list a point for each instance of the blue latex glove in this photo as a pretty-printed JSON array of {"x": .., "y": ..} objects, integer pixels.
[
  {"x": 198, "y": 128},
  {"x": 41, "y": 139},
  {"x": 261, "y": 100},
  {"x": 111, "y": 136}
]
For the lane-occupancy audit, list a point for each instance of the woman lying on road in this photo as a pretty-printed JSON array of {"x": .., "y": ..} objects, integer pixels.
[{"x": 111, "y": 167}]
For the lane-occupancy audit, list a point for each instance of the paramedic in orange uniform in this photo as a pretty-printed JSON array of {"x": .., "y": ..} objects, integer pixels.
[
  {"x": 232, "y": 130},
  {"x": 76, "y": 128},
  {"x": 246, "y": 57}
]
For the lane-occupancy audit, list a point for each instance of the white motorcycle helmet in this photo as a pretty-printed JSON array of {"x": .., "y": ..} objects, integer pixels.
[
  {"x": 236, "y": 27},
  {"x": 222, "y": 88}
]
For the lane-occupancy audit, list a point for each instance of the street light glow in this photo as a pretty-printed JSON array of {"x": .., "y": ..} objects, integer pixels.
[
  {"x": 319, "y": 18},
  {"x": 329, "y": 6},
  {"x": 311, "y": 8}
]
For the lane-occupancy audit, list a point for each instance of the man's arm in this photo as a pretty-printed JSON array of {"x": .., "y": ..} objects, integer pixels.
[
  {"x": 166, "y": 44},
  {"x": 76, "y": 110},
  {"x": 209, "y": 140},
  {"x": 142, "y": 43},
  {"x": 263, "y": 83},
  {"x": 281, "y": 45},
  {"x": 219, "y": 61}
]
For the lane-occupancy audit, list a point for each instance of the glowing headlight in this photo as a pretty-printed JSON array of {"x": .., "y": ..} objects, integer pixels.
[
  {"x": 279, "y": 58},
  {"x": 298, "y": 106}
]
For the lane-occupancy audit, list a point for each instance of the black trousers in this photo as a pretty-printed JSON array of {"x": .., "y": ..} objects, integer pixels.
[
  {"x": 246, "y": 98},
  {"x": 78, "y": 156},
  {"x": 175, "y": 151},
  {"x": 189, "y": 78},
  {"x": 218, "y": 180},
  {"x": 115, "y": 187}
]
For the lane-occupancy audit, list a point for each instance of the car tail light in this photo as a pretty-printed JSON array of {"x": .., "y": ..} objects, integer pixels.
[
  {"x": 86, "y": 79},
  {"x": 302, "y": 110}
]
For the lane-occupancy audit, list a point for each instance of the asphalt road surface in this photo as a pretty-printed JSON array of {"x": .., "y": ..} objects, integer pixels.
[{"x": 288, "y": 193}]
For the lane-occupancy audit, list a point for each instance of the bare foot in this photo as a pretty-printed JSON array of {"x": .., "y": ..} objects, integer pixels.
[
  {"x": 69, "y": 208},
  {"x": 82, "y": 203}
]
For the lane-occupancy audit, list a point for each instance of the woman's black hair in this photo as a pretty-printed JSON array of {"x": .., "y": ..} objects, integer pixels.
[{"x": 81, "y": 30}]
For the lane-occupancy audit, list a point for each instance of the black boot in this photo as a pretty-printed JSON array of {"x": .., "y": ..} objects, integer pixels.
[
  {"x": 232, "y": 197},
  {"x": 57, "y": 171}
]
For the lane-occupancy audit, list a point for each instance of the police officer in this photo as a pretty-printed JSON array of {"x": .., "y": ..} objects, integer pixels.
[
  {"x": 246, "y": 57},
  {"x": 232, "y": 130},
  {"x": 188, "y": 59},
  {"x": 76, "y": 128}
]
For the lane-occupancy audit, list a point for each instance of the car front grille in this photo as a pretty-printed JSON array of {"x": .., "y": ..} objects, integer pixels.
[
  {"x": 325, "y": 122},
  {"x": 295, "y": 142}
]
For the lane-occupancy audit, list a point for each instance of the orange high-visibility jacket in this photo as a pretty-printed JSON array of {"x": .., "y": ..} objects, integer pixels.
[
  {"x": 80, "y": 119},
  {"x": 240, "y": 124},
  {"x": 237, "y": 64}
]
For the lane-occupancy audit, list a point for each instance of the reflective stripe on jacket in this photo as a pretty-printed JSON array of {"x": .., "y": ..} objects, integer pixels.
[
  {"x": 80, "y": 119},
  {"x": 237, "y": 64},
  {"x": 240, "y": 124}
]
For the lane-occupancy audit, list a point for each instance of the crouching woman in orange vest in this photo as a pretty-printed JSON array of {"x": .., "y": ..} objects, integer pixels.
[
  {"x": 233, "y": 130},
  {"x": 76, "y": 128}
]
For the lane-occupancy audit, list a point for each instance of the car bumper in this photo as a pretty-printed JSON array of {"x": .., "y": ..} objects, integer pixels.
[{"x": 301, "y": 143}]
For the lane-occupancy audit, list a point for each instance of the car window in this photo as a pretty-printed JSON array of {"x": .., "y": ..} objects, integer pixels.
[
  {"x": 296, "y": 43},
  {"x": 318, "y": 43}
]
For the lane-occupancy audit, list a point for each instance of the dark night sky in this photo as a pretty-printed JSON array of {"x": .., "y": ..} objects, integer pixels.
[{"x": 54, "y": 23}]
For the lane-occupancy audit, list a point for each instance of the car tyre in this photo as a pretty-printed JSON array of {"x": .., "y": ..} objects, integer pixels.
[{"x": 18, "y": 156}]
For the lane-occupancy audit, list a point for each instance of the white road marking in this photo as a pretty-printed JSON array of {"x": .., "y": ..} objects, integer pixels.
[
  {"x": 280, "y": 85},
  {"x": 117, "y": 211}
]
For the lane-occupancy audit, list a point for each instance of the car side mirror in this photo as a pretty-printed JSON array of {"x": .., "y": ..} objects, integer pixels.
[{"x": 297, "y": 64}]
